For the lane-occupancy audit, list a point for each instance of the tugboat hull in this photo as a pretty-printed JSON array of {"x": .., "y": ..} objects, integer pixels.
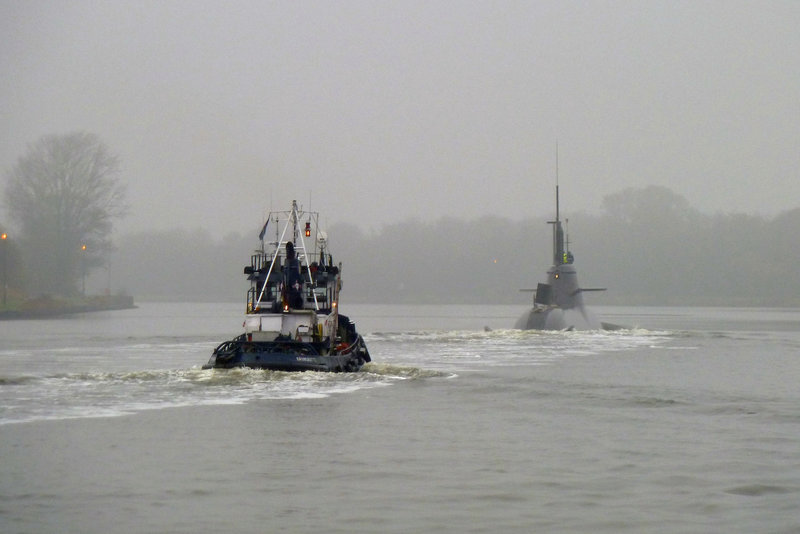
[{"x": 287, "y": 356}]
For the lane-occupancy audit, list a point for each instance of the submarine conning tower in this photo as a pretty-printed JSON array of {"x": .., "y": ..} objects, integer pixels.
[{"x": 562, "y": 288}]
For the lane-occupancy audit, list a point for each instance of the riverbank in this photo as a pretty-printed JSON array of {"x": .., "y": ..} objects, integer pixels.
[{"x": 48, "y": 307}]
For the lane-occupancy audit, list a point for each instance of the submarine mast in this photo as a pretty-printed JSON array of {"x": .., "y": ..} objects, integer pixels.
[{"x": 558, "y": 231}]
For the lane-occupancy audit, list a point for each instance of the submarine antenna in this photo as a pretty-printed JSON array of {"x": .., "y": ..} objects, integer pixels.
[
  {"x": 557, "y": 181},
  {"x": 558, "y": 232}
]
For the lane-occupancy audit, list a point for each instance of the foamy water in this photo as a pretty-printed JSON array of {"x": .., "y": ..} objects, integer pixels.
[{"x": 121, "y": 376}]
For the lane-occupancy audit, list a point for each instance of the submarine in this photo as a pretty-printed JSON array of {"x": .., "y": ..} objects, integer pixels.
[{"x": 558, "y": 303}]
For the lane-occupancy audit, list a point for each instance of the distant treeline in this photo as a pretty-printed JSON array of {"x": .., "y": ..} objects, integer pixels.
[{"x": 647, "y": 246}]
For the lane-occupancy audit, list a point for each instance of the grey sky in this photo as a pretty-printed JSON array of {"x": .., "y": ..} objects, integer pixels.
[{"x": 391, "y": 110}]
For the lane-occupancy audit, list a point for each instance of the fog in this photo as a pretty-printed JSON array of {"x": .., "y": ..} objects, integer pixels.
[
  {"x": 647, "y": 246},
  {"x": 375, "y": 113}
]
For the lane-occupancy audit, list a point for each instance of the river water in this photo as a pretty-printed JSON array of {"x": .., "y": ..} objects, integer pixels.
[{"x": 687, "y": 421}]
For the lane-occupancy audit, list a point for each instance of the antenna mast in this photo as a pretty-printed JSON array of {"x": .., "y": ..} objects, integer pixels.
[
  {"x": 558, "y": 231},
  {"x": 557, "y": 218}
]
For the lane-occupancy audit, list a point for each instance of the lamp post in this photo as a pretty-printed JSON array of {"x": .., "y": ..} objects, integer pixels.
[
  {"x": 83, "y": 269},
  {"x": 3, "y": 239}
]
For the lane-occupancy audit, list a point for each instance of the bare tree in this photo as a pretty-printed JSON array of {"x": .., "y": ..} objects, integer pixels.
[{"x": 64, "y": 195}]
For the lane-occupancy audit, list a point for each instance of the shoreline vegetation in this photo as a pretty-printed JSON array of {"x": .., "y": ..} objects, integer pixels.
[
  {"x": 46, "y": 307},
  {"x": 647, "y": 247}
]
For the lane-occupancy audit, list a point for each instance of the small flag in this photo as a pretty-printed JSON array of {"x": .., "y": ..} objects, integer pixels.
[{"x": 263, "y": 231}]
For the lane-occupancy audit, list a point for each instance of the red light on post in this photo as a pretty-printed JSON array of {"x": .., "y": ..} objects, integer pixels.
[
  {"x": 3, "y": 238},
  {"x": 308, "y": 229}
]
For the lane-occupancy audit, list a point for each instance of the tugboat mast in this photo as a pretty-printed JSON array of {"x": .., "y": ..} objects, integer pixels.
[{"x": 294, "y": 222}]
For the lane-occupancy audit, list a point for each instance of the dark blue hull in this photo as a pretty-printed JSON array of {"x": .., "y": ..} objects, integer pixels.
[{"x": 288, "y": 356}]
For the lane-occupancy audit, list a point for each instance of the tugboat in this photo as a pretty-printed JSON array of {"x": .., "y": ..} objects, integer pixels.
[
  {"x": 558, "y": 304},
  {"x": 292, "y": 321}
]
